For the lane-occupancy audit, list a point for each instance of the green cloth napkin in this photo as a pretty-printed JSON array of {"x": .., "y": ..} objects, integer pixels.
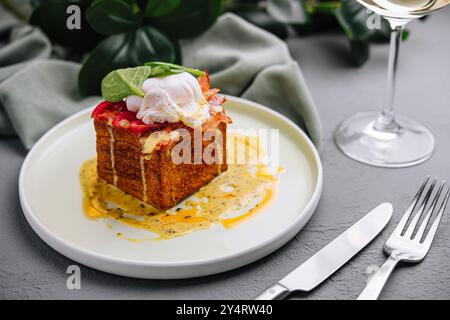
[{"x": 36, "y": 91}]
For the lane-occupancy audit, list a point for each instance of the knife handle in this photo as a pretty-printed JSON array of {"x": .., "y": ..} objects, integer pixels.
[{"x": 275, "y": 292}]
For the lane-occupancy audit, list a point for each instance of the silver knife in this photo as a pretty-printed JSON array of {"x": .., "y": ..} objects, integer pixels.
[{"x": 333, "y": 256}]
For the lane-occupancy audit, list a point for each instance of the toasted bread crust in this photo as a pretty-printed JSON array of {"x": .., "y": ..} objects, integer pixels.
[{"x": 167, "y": 183}]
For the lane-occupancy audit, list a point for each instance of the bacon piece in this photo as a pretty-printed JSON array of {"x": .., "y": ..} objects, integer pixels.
[{"x": 204, "y": 82}]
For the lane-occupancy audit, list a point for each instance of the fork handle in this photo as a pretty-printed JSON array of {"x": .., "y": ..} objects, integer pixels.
[
  {"x": 376, "y": 284},
  {"x": 275, "y": 292}
]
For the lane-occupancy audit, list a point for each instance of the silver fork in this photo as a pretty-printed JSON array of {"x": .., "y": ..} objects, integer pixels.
[{"x": 405, "y": 245}]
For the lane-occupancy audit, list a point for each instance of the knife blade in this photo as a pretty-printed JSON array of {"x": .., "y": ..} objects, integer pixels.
[{"x": 333, "y": 256}]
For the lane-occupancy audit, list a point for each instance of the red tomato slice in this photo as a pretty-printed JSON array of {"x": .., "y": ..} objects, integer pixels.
[
  {"x": 127, "y": 120},
  {"x": 100, "y": 108},
  {"x": 138, "y": 126},
  {"x": 107, "y": 110},
  {"x": 124, "y": 119}
]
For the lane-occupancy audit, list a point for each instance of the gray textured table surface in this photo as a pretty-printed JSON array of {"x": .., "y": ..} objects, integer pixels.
[{"x": 31, "y": 269}]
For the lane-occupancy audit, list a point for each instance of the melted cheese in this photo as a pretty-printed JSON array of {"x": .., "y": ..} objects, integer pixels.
[
  {"x": 111, "y": 154},
  {"x": 156, "y": 138}
]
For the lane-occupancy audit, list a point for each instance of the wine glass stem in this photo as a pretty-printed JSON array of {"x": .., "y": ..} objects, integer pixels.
[{"x": 386, "y": 120}]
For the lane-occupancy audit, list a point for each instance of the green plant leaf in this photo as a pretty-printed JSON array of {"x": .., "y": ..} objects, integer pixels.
[
  {"x": 158, "y": 8},
  {"x": 288, "y": 11},
  {"x": 122, "y": 83},
  {"x": 383, "y": 34},
  {"x": 189, "y": 19},
  {"x": 36, "y": 3},
  {"x": 360, "y": 51},
  {"x": 353, "y": 19},
  {"x": 51, "y": 17},
  {"x": 319, "y": 22},
  {"x": 129, "y": 49},
  {"x": 113, "y": 16},
  {"x": 175, "y": 68}
]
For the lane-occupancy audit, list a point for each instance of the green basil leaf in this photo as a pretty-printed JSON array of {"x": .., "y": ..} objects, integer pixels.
[
  {"x": 51, "y": 17},
  {"x": 167, "y": 73},
  {"x": 158, "y": 70},
  {"x": 287, "y": 11},
  {"x": 158, "y": 8},
  {"x": 122, "y": 83},
  {"x": 175, "y": 68},
  {"x": 124, "y": 50},
  {"x": 112, "y": 16},
  {"x": 189, "y": 19}
]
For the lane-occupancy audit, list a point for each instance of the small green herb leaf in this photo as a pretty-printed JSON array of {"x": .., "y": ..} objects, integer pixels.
[
  {"x": 112, "y": 16},
  {"x": 170, "y": 68},
  {"x": 122, "y": 83},
  {"x": 158, "y": 8}
]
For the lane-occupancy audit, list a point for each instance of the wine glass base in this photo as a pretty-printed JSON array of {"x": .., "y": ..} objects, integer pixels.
[{"x": 409, "y": 144}]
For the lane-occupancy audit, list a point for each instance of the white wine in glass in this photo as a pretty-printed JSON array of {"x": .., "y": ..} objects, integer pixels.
[
  {"x": 404, "y": 9},
  {"x": 384, "y": 139}
]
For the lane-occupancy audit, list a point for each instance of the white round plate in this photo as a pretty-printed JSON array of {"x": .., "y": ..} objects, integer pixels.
[{"x": 51, "y": 199}]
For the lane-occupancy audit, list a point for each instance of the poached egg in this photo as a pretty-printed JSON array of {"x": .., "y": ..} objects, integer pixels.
[{"x": 172, "y": 98}]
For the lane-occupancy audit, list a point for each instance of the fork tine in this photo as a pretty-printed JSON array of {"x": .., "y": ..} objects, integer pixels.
[
  {"x": 401, "y": 225},
  {"x": 415, "y": 220},
  {"x": 430, "y": 236},
  {"x": 423, "y": 225}
]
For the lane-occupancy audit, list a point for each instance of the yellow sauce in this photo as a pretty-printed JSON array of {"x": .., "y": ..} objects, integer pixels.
[{"x": 232, "y": 197}]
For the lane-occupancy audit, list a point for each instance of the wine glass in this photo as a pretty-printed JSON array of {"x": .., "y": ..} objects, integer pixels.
[{"x": 387, "y": 140}]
